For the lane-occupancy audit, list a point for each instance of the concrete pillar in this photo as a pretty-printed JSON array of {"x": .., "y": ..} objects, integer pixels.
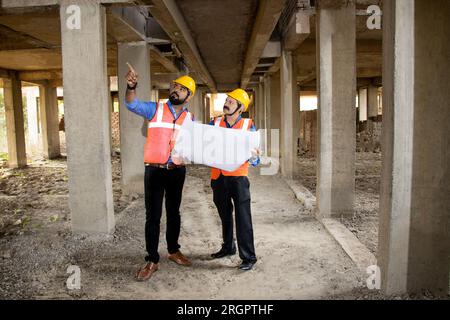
[
  {"x": 290, "y": 113},
  {"x": 110, "y": 114},
  {"x": 254, "y": 113},
  {"x": 414, "y": 235},
  {"x": 196, "y": 105},
  {"x": 267, "y": 113},
  {"x": 336, "y": 83},
  {"x": 372, "y": 112},
  {"x": 201, "y": 116},
  {"x": 253, "y": 103},
  {"x": 48, "y": 109},
  {"x": 275, "y": 112},
  {"x": 372, "y": 102},
  {"x": 154, "y": 95},
  {"x": 133, "y": 129},
  {"x": 362, "y": 101},
  {"x": 15, "y": 132},
  {"x": 260, "y": 107},
  {"x": 303, "y": 127},
  {"x": 207, "y": 109},
  {"x": 32, "y": 119},
  {"x": 87, "y": 118}
]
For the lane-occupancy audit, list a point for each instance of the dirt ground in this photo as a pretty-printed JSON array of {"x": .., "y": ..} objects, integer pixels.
[
  {"x": 364, "y": 223},
  {"x": 297, "y": 258}
]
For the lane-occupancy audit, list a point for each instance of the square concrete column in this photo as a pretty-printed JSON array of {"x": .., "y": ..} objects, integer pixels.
[
  {"x": 196, "y": 105},
  {"x": 267, "y": 115},
  {"x": 207, "y": 110},
  {"x": 336, "y": 117},
  {"x": 372, "y": 102},
  {"x": 87, "y": 117},
  {"x": 253, "y": 105},
  {"x": 133, "y": 128},
  {"x": 414, "y": 234},
  {"x": 290, "y": 113},
  {"x": 48, "y": 109},
  {"x": 154, "y": 95},
  {"x": 202, "y": 109},
  {"x": 15, "y": 132},
  {"x": 260, "y": 107},
  {"x": 110, "y": 114},
  {"x": 362, "y": 101},
  {"x": 254, "y": 112},
  {"x": 372, "y": 111},
  {"x": 275, "y": 112},
  {"x": 32, "y": 136}
]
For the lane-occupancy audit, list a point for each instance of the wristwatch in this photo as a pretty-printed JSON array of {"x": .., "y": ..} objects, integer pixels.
[{"x": 131, "y": 88}]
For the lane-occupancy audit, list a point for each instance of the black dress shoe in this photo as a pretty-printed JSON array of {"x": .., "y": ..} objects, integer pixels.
[
  {"x": 246, "y": 266},
  {"x": 223, "y": 253}
]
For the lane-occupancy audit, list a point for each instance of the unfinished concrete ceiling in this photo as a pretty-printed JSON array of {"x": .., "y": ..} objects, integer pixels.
[
  {"x": 30, "y": 40},
  {"x": 221, "y": 30}
]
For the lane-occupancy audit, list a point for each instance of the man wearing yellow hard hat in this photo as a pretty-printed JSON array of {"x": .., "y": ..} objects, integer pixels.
[
  {"x": 233, "y": 187},
  {"x": 162, "y": 175}
]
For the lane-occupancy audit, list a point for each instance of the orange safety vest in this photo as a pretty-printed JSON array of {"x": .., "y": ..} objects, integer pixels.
[
  {"x": 242, "y": 124},
  {"x": 161, "y": 133}
]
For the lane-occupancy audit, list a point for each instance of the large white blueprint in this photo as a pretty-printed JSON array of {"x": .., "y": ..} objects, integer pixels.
[{"x": 214, "y": 146}]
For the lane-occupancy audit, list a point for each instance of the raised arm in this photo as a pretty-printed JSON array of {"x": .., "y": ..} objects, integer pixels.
[
  {"x": 142, "y": 108},
  {"x": 131, "y": 78}
]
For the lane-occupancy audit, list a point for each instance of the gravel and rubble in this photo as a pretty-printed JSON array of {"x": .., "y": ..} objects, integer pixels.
[
  {"x": 297, "y": 258},
  {"x": 364, "y": 222}
]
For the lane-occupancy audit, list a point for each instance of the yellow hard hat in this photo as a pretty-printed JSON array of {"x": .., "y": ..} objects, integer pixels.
[
  {"x": 241, "y": 96},
  {"x": 187, "y": 82}
]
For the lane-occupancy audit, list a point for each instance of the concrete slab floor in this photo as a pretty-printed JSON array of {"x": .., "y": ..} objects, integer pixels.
[{"x": 297, "y": 257}]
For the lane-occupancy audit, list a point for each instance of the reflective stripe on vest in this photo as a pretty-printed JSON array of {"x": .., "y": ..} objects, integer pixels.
[
  {"x": 242, "y": 124},
  {"x": 161, "y": 131}
]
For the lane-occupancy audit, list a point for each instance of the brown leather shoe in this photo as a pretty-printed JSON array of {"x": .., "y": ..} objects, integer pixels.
[
  {"x": 146, "y": 271},
  {"x": 179, "y": 258}
]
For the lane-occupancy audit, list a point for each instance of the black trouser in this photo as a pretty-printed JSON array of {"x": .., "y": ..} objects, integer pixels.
[
  {"x": 225, "y": 189},
  {"x": 158, "y": 181}
]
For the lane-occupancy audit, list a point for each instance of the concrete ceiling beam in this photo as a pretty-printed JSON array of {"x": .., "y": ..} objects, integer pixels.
[
  {"x": 28, "y": 3},
  {"x": 269, "y": 12},
  {"x": 272, "y": 50},
  {"x": 275, "y": 67},
  {"x": 31, "y": 76},
  {"x": 4, "y": 73},
  {"x": 306, "y": 78},
  {"x": 170, "y": 18},
  {"x": 40, "y": 3},
  {"x": 126, "y": 24},
  {"x": 157, "y": 56},
  {"x": 298, "y": 30}
]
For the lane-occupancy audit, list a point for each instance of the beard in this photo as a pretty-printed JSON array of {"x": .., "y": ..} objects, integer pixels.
[{"x": 175, "y": 99}]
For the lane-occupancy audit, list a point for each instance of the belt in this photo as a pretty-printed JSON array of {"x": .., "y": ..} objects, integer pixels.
[{"x": 168, "y": 166}]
